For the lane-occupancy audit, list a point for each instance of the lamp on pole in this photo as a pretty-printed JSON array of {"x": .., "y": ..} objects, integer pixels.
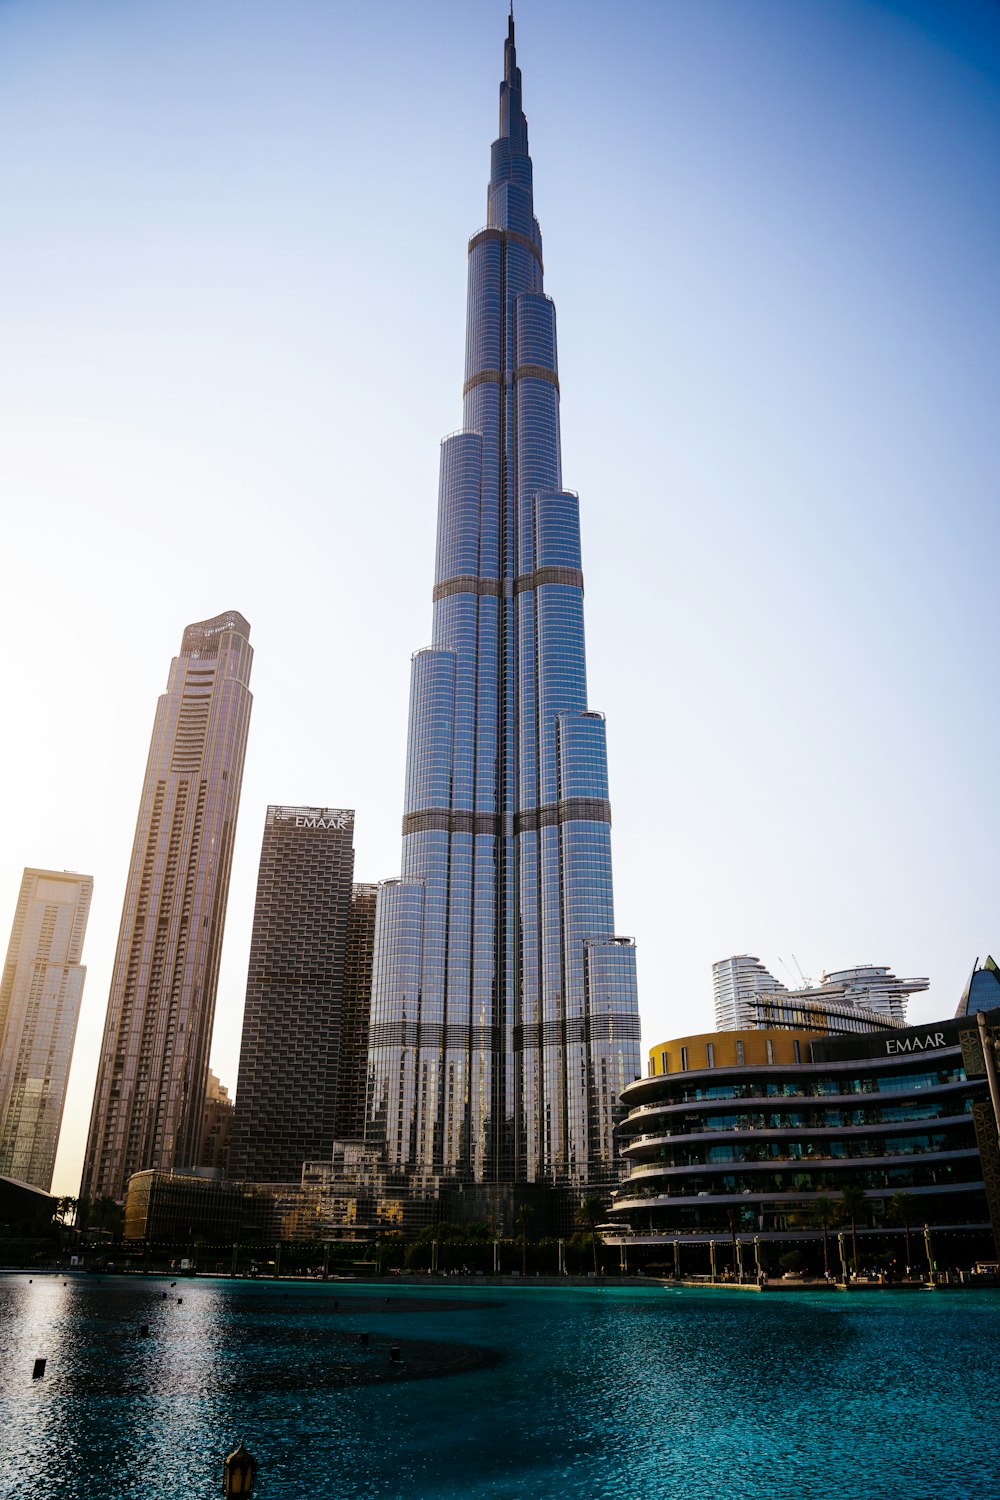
[
  {"x": 238, "y": 1473},
  {"x": 989, "y": 1063}
]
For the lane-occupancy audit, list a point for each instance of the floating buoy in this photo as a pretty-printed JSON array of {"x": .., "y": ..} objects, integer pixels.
[
  {"x": 39, "y": 1369},
  {"x": 394, "y": 1354}
]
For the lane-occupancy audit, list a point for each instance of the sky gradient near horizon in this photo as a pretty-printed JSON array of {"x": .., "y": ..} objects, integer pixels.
[{"x": 233, "y": 298}]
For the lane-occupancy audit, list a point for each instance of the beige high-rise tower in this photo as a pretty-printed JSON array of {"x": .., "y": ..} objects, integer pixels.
[
  {"x": 151, "y": 1080},
  {"x": 40, "y": 996}
]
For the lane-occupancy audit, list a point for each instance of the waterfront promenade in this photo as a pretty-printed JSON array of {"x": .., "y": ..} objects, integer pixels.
[{"x": 505, "y": 1393}]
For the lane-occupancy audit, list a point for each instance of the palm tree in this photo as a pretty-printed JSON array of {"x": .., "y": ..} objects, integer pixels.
[
  {"x": 902, "y": 1209},
  {"x": 853, "y": 1204},
  {"x": 523, "y": 1215},
  {"x": 106, "y": 1214},
  {"x": 590, "y": 1211},
  {"x": 64, "y": 1207},
  {"x": 821, "y": 1213}
]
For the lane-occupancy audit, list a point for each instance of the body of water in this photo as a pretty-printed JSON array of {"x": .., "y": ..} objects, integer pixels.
[{"x": 505, "y": 1394}]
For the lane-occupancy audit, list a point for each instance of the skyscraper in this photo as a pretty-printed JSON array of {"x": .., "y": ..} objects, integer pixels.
[
  {"x": 153, "y": 1069},
  {"x": 736, "y": 983},
  {"x": 504, "y": 1013},
  {"x": 40, "y": 996},
  {"x": 982, "y": 992},
  {"x": 356, "y": 1014},
  {"x": 868, "y": 997},
  {"x": 286, "y": 1097}
]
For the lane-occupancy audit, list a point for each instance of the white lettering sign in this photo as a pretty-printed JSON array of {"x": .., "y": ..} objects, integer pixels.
[
  {"x": 342, "y": 821},
  {"x": 914, "y": 1044}
]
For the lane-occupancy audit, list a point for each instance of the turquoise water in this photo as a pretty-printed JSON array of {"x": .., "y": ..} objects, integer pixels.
[{"x": 570, "y": 1394}]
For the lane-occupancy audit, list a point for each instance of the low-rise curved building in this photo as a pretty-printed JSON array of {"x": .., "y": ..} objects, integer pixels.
[{"x": 734, "y": 1136}]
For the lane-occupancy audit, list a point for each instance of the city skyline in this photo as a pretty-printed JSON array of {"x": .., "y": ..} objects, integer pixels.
[{"x": 786, "y": 492}]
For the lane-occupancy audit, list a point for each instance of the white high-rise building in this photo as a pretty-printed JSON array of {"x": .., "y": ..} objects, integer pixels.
[
  {"x": 40, "y": 997},
  {"x": 868, "y": 997},
  {"x": 736, "y": 982}
]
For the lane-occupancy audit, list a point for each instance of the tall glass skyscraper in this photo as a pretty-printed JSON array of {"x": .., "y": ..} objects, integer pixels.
[
  {"x": 150, "y": 1095},
  {"x": 504, "y": 1014}
]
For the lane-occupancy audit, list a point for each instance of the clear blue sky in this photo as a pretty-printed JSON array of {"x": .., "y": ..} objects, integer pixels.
[{"x": 232, "y": 278}]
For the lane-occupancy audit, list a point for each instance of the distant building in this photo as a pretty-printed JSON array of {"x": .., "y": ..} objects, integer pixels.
[
  {"x": 869, "y": 997},
  {"x": 305, "y": 1026},
  {"x": 736, "y": 983},
  {"x": 217, "y": 1126},
  {"x": 180, "y": 1207},
  {"x": 150, "y": 1096},
  {"x": 40, "y": 996},
  {"x": 355, "y": 1014},
  {"x": 982, "y": 991}
]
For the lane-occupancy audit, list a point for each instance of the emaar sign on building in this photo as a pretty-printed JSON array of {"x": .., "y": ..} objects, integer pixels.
[
  {"x": 926, "y": 1043},
  {"x": 341, "y": 818}
]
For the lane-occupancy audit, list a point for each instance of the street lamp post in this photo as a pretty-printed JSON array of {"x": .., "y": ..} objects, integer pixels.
[
  {"x": 843, "y": 1262},
  {"x": 238, "y": 1473},
  {"x": 927, "y": 1252},
  {"x": 711, "y": 1256},
  {"x": 989, "y": 1063}
]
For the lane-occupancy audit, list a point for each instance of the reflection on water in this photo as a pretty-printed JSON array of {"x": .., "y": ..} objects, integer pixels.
[{"x": 577, "y": 1394}]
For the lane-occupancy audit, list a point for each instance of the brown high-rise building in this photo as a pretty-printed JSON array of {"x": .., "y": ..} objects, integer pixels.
[
  {"x": 356, "y": 1014},
  {"x": 305, "y": 1027},
  {"x": 150, "y": 1097},
  {"x": 217, "y": 1126},
  {"x": 40, "y": 997}
]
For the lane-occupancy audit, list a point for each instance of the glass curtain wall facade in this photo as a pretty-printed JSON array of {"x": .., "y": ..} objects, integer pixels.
[
  {"x": 504, "y": 1011},
  {"x": 40, "y": 997},
  {"x": 745, "y": 1133},
  {"x": 153, "y": 1070}
]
